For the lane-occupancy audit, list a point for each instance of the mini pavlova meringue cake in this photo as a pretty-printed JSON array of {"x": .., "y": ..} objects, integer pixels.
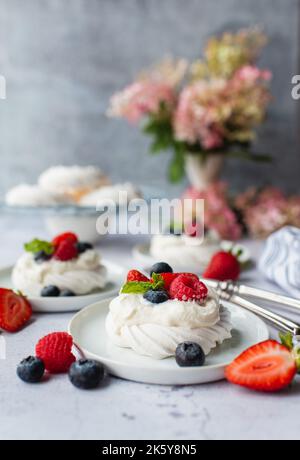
[
  {"x": 31, "y": 195},
  {"x": 120, "y": 194},
  {"x": 185, "y": 250},
  {"x": 72, "y": 181},
  {"x": 63, "y": 267},
  {"x": 154, "y": 316}
]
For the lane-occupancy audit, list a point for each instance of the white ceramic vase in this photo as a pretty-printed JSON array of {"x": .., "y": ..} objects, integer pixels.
[{"x": 203, "y": 171}]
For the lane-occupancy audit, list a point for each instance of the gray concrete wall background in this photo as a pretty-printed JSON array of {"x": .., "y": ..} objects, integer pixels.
[{"x": 62, "y": 60}]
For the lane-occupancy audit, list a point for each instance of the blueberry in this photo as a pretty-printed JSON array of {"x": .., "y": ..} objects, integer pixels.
[
  {"x": 161, "y": 267},
  {"x": 82, "y": 247},
  {"x": 156, "y": 296},
  {"x": 50, "y": 291},
  {"x": 41, "y": 256},
  {"x": 86, "y": 374},
  {"x": 67, "y": 293},
  {"x": 189, "y": 354},
  {"x": 31, "y": 370}
]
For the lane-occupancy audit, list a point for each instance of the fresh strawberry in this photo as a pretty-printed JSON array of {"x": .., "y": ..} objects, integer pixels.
[
  {"x": 268, "y": 366},
  {"x": 135, "y": 275},
  {"x": 65, "y": 251},
  {"x": 188, "y": 287},
  {"x": 15, "y": 310},
  {"x": 223, "y": 266},
  {"x": 55, "y": 350},
  {"x": 168, "y": 279},
  {"x": 68, "y": 236}
]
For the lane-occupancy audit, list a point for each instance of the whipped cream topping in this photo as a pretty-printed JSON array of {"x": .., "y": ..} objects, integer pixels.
[
  {"x": 31, "y": 195},
  {"x": 156, "y": 330},
  {"x": 82, "y": 275},
  {"x": 119, "y": 194},
  {"x": 67, "y": 179},
  {"x": 183, "y": 250}
]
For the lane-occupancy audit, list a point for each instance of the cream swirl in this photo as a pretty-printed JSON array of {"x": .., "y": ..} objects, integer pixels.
[
  {"x": 156, "y": 330},
  {"x": 82, "y": 275}
]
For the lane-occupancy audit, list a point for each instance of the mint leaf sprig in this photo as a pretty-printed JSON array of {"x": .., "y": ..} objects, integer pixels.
[
  {"x": 37, "y": 245},
  {"x": 141, "y": 287}
]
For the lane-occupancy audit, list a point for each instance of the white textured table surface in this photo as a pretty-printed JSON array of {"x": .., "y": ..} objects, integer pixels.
[{"x": 126, "y": 410}]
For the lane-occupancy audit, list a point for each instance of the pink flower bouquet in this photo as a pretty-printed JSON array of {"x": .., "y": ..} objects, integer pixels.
[{"x": 206, "y": 107}]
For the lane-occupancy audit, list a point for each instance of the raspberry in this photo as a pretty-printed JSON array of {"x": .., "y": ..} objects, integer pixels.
[
  {"x": 170, "y": 277},
  {"x": 68, "y": 236},
  {"x": 55, "y": 351},
  {"x": 65, "y": 251},
  {"x": 135, "y": 275},
  {"x": 188, "y": 287}
]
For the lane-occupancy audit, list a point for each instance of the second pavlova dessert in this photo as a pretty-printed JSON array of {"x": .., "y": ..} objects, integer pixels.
[
  {"x": 64, "y": 266},
  {"x": 152, "y": 316}
]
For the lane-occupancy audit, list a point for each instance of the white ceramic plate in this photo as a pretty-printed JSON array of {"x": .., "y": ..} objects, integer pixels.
[
  {"x": 88, "y": 331},
  {"x": 116, "y": 276}
]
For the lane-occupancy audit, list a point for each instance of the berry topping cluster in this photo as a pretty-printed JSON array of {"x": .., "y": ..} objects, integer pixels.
[
  {"x": 54, "y": 355},
  {"x": 63, "y": 247},
  {"x": 164, "y": 285}
]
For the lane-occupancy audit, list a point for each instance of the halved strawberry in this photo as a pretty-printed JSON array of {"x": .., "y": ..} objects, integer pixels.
[
  {"x": 135, "y": 275},
  {"x": 67, "y": 236},
  {"x": 267, "y": 366},
  {"x": 15, "y": 310}
]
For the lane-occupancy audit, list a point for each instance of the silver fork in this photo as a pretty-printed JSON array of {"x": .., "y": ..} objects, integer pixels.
[
  {"x": 277, "y": 320},
  {"x": 242, "y": 289}
]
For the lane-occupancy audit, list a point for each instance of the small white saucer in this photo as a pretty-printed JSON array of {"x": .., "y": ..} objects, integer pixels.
[
  {"x": 116, "y": 276},
  {"x": 88, "y": 331}
]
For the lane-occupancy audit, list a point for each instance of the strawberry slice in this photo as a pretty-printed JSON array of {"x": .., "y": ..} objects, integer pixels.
[
  {"x": 168, "y": 279},
  {"x": 267, "y": 366},
  {"x": 15, "y": 310},
  {"x": 135, "y": 275}
]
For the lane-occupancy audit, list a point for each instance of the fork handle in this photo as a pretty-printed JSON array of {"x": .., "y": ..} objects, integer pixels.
[
  {"x": 276, "y": 320},
  {"x": 269, "y": 296}
]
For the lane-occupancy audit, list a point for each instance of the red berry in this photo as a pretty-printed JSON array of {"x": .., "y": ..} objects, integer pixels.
[
  {"x": 15, "y": 310},
  {"x": 268, "y": 366},
  {"x": 188, "y": 287},
  {"x": 135, "y": 275},
  {"x": 65, "y": 251},
  {"x": 68, "y": 236},
  {"x": 55, "y": 351},
  {"x": 168, "y": 279},
  {"x": 223, "y": 266}
]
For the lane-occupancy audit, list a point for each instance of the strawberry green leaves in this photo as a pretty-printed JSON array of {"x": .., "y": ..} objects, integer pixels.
[{"x": 286, "y": 340}]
